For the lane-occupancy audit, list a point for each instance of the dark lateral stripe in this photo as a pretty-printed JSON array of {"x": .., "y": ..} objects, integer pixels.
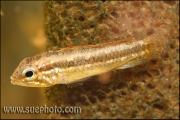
[{"x": 94, "y": 59}]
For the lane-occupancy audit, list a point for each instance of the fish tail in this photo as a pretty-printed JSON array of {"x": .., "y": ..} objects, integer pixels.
[
  {"x": 157, "y": 44},
  {"x": 153, "y": 47}
]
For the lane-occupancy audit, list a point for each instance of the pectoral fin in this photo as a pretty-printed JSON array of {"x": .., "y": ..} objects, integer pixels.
[
  {"x": 71, "y": 85},
  {"x": 77, "y": 83}
]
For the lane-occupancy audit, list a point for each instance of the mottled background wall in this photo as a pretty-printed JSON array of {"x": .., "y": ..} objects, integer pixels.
[{"x": 147, "y": 91}]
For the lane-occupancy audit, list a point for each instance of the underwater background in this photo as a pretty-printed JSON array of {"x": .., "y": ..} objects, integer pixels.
[
  {"x": 146, "y": 91},
  {"x": 22, "y": 26}
]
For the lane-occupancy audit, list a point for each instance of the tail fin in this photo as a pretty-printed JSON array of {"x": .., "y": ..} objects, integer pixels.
[{"x": 157, "y": 43}]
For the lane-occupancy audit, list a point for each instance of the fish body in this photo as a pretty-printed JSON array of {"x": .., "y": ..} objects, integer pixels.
[{"x": 74, "y": 64}]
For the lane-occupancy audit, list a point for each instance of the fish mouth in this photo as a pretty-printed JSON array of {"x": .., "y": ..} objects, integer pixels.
[
  {"x": 16, "y": 81},
  {"x": 13, "y": 80}
]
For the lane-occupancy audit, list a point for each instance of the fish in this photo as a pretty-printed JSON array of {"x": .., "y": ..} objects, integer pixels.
[{"x": 75, "y": 64}]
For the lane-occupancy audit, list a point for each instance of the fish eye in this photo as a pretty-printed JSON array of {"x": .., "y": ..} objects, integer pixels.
[{"x": 29, "y": 74}]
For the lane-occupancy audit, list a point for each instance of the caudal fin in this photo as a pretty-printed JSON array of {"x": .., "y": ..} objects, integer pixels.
[{"x": 157, "y": 43}]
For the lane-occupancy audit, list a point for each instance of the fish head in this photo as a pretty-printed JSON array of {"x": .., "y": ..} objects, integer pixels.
[{"x": 27, "y": 74}]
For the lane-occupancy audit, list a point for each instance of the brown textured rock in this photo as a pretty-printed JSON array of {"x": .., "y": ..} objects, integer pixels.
[{"x": 146, "y": 91}]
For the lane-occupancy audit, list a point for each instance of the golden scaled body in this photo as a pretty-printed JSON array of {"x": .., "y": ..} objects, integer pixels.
[{"x": 74, "y": 64}]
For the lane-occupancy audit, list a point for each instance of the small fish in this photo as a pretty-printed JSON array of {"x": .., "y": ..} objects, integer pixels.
[{"x": 74, "y": 64}]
